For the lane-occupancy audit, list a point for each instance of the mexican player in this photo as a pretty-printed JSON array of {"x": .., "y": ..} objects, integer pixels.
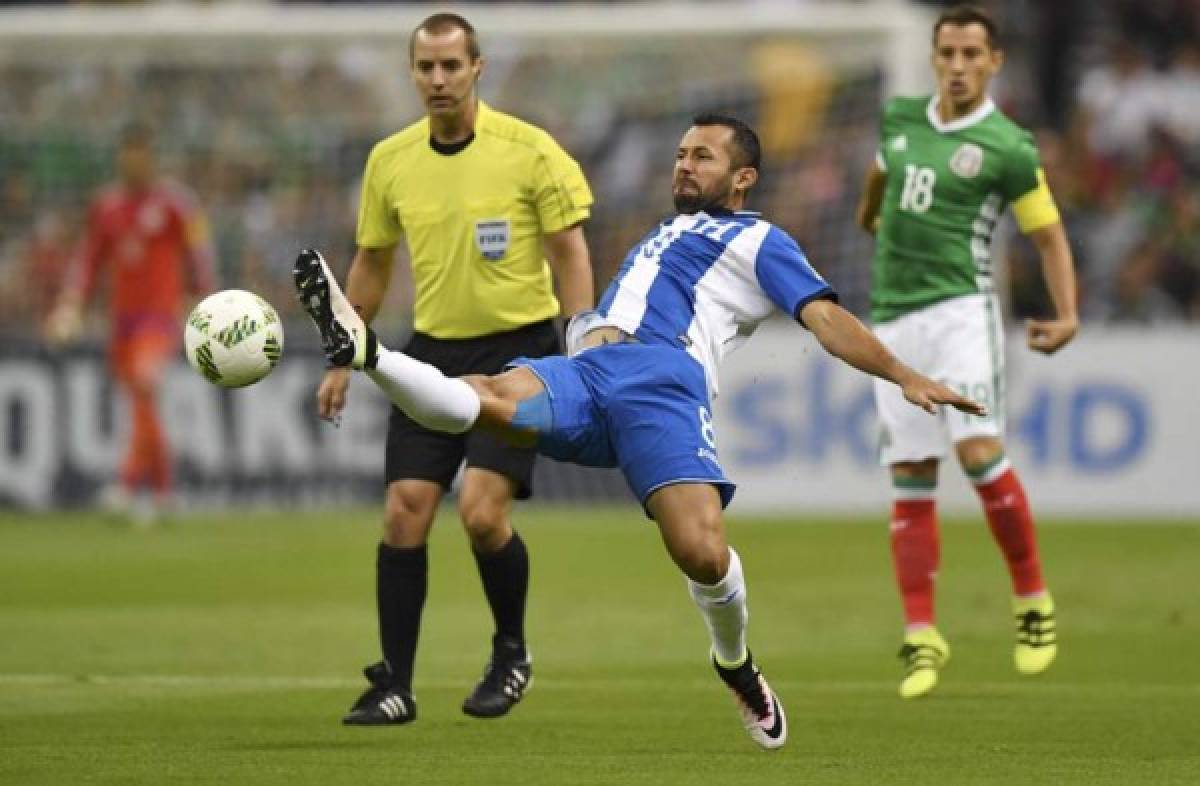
[{"x": 948, "y": 165}]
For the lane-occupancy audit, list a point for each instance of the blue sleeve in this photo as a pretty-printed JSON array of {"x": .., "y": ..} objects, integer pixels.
[{"x": 786, "y": 277}]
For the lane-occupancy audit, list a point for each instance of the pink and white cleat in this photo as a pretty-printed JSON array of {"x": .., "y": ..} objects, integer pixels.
[{"x": 762, "y": 713}]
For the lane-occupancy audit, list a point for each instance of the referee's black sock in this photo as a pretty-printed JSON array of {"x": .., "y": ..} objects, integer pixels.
[
  {"x": 505, "y": 576},
  {"x": 401, "y": 581}
]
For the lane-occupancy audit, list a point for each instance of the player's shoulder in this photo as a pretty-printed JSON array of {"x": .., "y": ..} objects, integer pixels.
[
  {"x": 1013, "y": 137},
  {"x": 407, "y": 141},
  {"x": 906, "y": 108},
  {"x": 511, "y": 130},
  {"x": 107, "y": 196},
  {"x": 1002, "y": 122},
  {"x": 176, "y": 194},
  {"x": 767, "y": 236},
  {"x": 780, "y": 240},
  {"x": 112, "y": 200}
]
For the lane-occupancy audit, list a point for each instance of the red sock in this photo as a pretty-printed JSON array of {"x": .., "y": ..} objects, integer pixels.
[
  {"x": 147, "y": 458},
  {"x": 1011, "y": 523},
  {"x": 915, "y": 554}
]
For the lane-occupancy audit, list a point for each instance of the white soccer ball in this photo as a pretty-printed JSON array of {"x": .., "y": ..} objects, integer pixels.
[{"x": 233, "y": 338}]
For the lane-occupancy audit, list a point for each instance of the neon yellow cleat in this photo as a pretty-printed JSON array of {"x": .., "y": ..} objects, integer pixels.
[
  {"x": 1037, "y": 634},
  {"x": 924, "y": 652}
]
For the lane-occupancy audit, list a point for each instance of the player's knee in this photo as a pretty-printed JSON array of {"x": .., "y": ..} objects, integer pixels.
[
  {"x": 978, "y": 453},
  {"x": 704, "y": 556},
  {"x": 486, "y": 523},
  {"x": 406, "y": 519},
  {"x": 704, "y": 564},
  {"x": 482, "y": 512},
  {"x": 923, "y": 471}
]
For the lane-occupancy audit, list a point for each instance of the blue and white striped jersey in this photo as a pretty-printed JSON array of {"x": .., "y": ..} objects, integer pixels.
[{"x": 704, "y": 282}]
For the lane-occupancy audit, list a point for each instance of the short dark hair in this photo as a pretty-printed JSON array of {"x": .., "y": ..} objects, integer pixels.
[
  {"x": 963, "y": 15},
  {"x": 746, "y": 148},
  {"x": 443, "y": 23}
]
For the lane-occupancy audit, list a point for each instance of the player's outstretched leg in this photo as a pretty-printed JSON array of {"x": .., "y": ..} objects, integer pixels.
[
  {"x": 423, "y": 392},
  {"x": 924, "y": 653},
  {"x": 381, "y": 704},
  {"x": 345, "y": 338},
  {"x": 1037, "y": 634}
]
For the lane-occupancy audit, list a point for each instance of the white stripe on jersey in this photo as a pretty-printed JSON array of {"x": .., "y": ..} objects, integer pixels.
[
  {"x": 729, "y": 303},
  {"x": 629, "y": 306}
]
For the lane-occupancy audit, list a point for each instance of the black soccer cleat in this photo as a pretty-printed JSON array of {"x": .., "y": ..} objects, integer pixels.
[
  {"x": 381, "y": 704},
  {"x": 507, "y": 676},
  {"x": 762, "y": 714},
  {"x": 345, "y": 338}
]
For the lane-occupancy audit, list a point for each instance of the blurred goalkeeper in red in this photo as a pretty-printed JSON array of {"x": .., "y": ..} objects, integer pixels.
[{"x": 148, "y": 244}]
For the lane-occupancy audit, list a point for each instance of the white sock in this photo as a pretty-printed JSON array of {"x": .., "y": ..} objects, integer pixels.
[
  {"x": 724, "y": 608},
  {"x": 426, "y": 395}
]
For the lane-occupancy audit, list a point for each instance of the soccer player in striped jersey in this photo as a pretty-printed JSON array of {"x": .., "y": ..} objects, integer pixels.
[
  {"x": 947, "y": 167},
  {"x": 635, "y": 390}
]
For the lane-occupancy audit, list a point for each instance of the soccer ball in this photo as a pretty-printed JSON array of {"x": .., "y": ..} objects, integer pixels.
[{"x": 233, "y": 338}]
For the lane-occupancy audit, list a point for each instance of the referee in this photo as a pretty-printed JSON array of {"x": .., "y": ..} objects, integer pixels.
[{"x": 490, "y": 208}]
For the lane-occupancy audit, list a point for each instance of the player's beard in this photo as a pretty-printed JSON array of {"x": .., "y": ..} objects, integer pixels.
[{"x": 704, "y": 201}]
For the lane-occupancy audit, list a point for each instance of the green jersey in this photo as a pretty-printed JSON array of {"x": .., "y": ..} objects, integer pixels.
[{"x": 947, "y": 186}]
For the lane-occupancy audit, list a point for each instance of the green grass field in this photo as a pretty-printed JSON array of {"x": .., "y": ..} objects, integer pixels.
[{"x": 224, "y": 650}]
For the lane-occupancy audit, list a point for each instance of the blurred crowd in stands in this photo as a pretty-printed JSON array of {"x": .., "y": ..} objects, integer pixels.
[
  {"x": 1114, "y": 91},
  {"x": 272, "y": 144}
]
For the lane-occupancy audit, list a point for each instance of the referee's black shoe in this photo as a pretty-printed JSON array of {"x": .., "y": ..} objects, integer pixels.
[
  {"x": 507, "y": 676},
  {"x": 345, "y": 338},
  {"x": 381, "y": 704}
]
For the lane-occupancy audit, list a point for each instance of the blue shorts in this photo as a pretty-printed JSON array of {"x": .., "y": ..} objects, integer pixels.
[{"x": 640, "y": 407}]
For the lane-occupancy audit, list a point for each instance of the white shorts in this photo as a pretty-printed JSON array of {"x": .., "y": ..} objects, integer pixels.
[{"x": 958, "y": 342}]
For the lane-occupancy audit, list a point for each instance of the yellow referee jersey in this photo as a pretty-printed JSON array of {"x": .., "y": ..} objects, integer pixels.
[{"x": 474, "y": 221}]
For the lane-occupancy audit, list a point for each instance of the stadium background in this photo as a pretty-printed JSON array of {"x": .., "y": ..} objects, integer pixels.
[
  {"x": 222, "y": 645},
  {"x": 267, "y": 112}
]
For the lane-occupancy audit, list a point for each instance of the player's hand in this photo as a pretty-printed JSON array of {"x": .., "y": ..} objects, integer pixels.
[
  {"x": 331, "y": 394},
  {"x": 64, "y": 324},
  {"x": 928, "y": 395},
  {"x": 1050, "y": 335}
]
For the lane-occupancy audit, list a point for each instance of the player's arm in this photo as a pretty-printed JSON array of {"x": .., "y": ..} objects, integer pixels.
[
  {"x": 66, "y": 317},
  {"x": 366, "y": 284},
  {"x": 567, "y": 253},
  {"x": 791, "y": 283},
  {"x": 1058, "y": 270},
  {"x": 368, "y": 279},
  {"x": 563, "y": 200},
  {"x": 872, "y": 198},
  {"x": 376, "y": 235},
  {"x": 1038, "y": 217},
  {"x": 202, "y": 260},
  {"x": 844, "y": 337}
]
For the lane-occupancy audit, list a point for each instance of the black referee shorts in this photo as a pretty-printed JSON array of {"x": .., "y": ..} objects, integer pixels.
[{"x": 416, "y": 453}]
